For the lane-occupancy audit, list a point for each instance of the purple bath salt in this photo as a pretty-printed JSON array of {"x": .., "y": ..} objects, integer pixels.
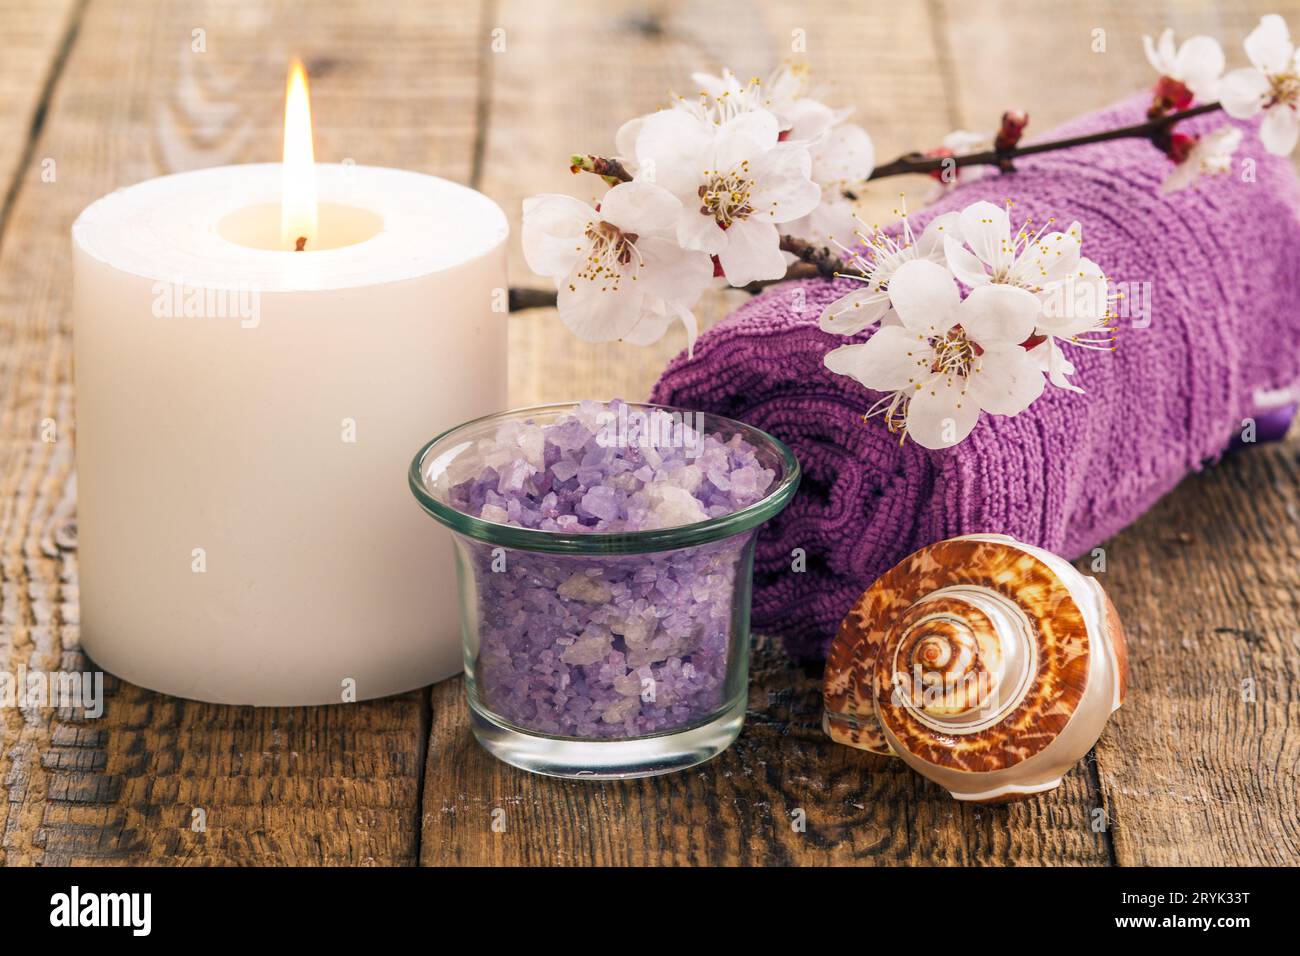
[{"x": 608, "y": 646}]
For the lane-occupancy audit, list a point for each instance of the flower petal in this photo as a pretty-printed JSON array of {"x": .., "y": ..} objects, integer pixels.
[
  {"x": 844, "y": 155},
  {"x": 761, "y": 126},
  {"x": 987, "y": 230},
  {"x": 1079, "y": 304},
  {"x": 1180, "y": 177},
  {"x": 850, "y": 314},
  {"x": 965, "y": 265},
  {"x": 601, "y": 310},
  {"x": 1269, "y": 45},
  {"x": 671, "y": 149},
  {"x": 891, "y": 360},
  {"x": 656, "y": 319},
  {"x": 1167, "y": 49},
  {"x": 964, "y": 141},
  {"x": 1279, "y": 130},
  {"x": 716, "y": 86},
  {"x": 1219, "y": 148},
  {"x": 931, "y": 243},
  {"x": 1006, "y": 381},
  {"x": 941, "y": 414},
  {"x": 625, "y": 141},
  {"x": 670, "y": 272},
  {"x": 651, "y": 327},
  {"x": 552, "y": 233},
  {"x": 1052, "y": 360},
  {"x": 1243, "y": 92},
  {"x": 925, "y": 296},
  {"x": 1153, "y": 53},
  {"x": 833, "y": 220},
  {"x": 1199, "y": 65},
  {"x": 1052, "y": 259},
  {"x": 745, "y": 137},
  {"x": 698, "y": 231},
  {"x": 640, "y": 207},
  {"x": 752, "y": 253},
  {"x": 995, "y": 315},
  {"x": 808, "y": 120},
  {"x": 783, "y": 187}
]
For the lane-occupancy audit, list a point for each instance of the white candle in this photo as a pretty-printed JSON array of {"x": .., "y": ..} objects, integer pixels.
[{"x": 246, "y": 416}]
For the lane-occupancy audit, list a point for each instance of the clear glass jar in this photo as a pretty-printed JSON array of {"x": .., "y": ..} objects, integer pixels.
[{"x": 604, "y": 654}]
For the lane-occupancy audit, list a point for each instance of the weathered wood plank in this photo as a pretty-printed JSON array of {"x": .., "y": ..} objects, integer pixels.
[
  {"x": 1192, "y": 771},
  {"x": 33, "y": 38},
  {"x": 737, "y": 809},
  {"x": 1203, "y": 765},
  {"x": 742, "y": 807},
  {"x": 1056, "y": 59},
  {"x": 149, "y": 89}
]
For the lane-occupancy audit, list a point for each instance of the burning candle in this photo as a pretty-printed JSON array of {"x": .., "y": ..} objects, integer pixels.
[{"x": 258, "y": 351}]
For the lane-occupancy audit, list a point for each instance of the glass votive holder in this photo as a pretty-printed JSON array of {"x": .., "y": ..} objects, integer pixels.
[{"x": 603, "y": 654}]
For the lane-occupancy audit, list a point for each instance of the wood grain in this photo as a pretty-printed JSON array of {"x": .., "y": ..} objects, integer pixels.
[
  {"x": 743, "y": 807},
  {"x": 1203, "y": 765},
  {"x": 1168, "y": 783},
  {"x": 149, "y": 89},
  {"x": 1199, "y": 767},
  {"x": 1056, "y": 59},
  {"x": 1190, "y": 771},
  {"x": 36, "y": 36},
  {"x": 737, "y": 809}
]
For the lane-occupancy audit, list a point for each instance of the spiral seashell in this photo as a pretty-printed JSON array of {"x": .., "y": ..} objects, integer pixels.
[{"x": 988, "y": 665}]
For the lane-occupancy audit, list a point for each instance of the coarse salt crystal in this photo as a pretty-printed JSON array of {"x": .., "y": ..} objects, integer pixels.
[{"x": 605, "y": 646}]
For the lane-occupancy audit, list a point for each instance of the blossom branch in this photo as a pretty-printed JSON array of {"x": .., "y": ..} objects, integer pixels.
[
  {"x": 818, "y": 261},
  {"x": 1153, "y": 129},
  {"x": 814, "y": 262},
  {"x": 757, "y": 182}
]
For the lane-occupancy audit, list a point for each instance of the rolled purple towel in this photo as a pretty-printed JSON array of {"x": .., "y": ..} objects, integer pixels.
[{"x": 1223, "y": 263}]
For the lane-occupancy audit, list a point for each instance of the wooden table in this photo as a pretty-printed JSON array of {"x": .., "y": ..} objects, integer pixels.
[{"x": 96, "y": 94}]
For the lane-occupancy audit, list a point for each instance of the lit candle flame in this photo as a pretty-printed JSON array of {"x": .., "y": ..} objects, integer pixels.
[{"x": 298, "y": 183}]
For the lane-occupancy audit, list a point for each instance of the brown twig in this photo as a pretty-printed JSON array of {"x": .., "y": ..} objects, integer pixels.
[
  {"x": 820, "y": 258},
  {"x": 797, "y": 270},
  {"x": 1151, "y": 129}
]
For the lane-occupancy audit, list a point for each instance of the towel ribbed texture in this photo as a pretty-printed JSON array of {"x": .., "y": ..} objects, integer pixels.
[{"x": 1223, "y": 260}]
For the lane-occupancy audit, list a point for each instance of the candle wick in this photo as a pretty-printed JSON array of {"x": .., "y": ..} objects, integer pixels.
[{"x": 301, "y": 244}]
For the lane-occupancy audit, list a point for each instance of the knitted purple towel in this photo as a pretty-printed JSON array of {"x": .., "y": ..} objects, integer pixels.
[{"x": 1223, "y": 263}]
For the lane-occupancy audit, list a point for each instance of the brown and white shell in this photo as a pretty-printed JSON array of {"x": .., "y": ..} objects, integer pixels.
[{"x": 986, "y": 664}]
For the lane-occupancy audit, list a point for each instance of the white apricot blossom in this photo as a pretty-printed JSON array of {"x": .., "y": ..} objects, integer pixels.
[
  {"x": 620, "y": 270},
  {"x": 843, "y": 155},
  {"x": 1271, "y": 84},
  {"x": 983, "y": 251},
  {"x": 1072, "y": 291},
  {"x": 874, "y": 257},
  {"x": 1209, "y": 155},
  {"x": 949, "y": 358},
  {"x": 1197, "y": 63},
  {"x": 736, "y": 183},
  {"x": 842, "y": 158}
]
